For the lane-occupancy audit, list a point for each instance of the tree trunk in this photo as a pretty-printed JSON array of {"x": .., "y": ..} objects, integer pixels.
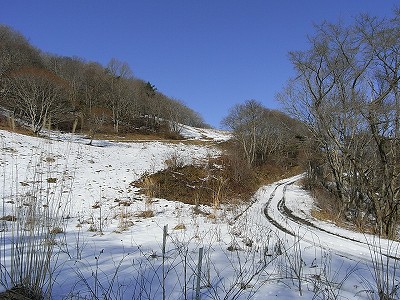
[
  {"x": 11, "y": 121},
  {"x": 74, "y": 125}
]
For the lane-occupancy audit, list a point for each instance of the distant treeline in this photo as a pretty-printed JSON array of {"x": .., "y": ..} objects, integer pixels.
[{"x": 68, "y": 93}]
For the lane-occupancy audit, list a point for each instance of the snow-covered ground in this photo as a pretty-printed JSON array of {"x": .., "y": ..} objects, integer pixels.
[
  {"x": 205, "y": 134},
  {"x": 111, "y": 250}
]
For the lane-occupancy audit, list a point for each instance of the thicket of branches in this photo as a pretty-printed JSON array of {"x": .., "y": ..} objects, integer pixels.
[
  {"x": 347, "y": 91},
  {"x": 71, "y": 94},
  {"x": 264, "y": 136}
]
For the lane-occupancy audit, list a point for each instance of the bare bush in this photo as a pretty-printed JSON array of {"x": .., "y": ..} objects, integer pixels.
[{"x": 175, "y": 161}]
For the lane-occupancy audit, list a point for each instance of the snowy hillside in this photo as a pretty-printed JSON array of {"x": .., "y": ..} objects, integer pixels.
[
  {"x": 208, "y": 134},
  {"x": 115, "y": 243}
]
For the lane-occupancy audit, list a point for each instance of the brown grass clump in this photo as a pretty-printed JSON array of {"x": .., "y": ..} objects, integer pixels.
[
  {"x": 127, "y": 134},
  {"x": 57, "y": 230},
  {"x": 185, "y": 184},
  {"x": 149, "y": 186},
  {"x": 326, "y": 202},
  {"x": 322, "y": 215},
  {"x": 7, "y": 124},
  {"x": 9, "y": 218},
  {"x": 211, "y": 216},
  {"x": 219, "y": 181},
  {"x": 51, "y": 180},
  {"x": 145, "y": 214},
  {"x": 20, "y": 293},
  {"x": 50, "y": 159},
  {"x": 180, "y": 227},
  {"x": 96, "y": 205},
  {"x": 328, "y": 210}
]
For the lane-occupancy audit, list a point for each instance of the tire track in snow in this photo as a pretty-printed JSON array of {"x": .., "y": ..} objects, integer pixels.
[
  {"x": 289, "y": 215},
  {"x": 269, "y": 217}
]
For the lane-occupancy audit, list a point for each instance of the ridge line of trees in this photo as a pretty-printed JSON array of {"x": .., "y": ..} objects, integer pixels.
[{"x": 71, "y": 94}]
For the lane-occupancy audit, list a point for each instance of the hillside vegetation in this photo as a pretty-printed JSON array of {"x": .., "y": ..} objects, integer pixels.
[
  {"x": 70, "y": 94},
  {"x": 83, "y": 214},
  {"x": 45, "y": 91},
  {"x": 346, "y": 91},
  {"x": 343, "y": 131}
]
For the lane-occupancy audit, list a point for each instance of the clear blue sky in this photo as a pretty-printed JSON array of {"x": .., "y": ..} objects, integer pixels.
[{"x": 210, "y": 54}]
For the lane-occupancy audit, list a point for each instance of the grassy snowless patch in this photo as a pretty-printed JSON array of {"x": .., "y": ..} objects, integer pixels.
[
  {"x": 138, "y": 136},
  {"x": 5, "y": 124},
  {"x": 217, "y": 182},
  {"x": 105, "y": 133},
  {"x": 20, "y": 293}
]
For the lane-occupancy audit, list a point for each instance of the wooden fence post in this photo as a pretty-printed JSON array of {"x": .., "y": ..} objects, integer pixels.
[{"x": 199, "y": 273}]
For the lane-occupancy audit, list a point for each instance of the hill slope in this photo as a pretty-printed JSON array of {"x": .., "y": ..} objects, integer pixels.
[{"x": 109, "y": 243}]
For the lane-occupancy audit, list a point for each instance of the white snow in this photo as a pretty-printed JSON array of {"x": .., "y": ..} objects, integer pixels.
[
  {"x": 124, "y": 260},
  {"x": 205, "y": 134}
]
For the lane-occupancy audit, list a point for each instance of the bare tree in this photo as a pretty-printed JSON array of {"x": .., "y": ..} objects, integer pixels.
[
  {"x": 117, "y": 97},
  {"x": 93, "y": 90},
  {"x": 71, "y": 70},
  {"x": 37, "y": 95},
  {"x": 244, "y": 120},
  {"x": 346, "y": 90},
  {"x": 261, "y": 132},
  {"x": 96, "y": 121},
  {"x": 15, "y": 51},
  {"x": 81, "y": 86}
]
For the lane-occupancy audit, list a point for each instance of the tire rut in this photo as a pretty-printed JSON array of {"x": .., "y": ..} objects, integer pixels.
[
  {"x": 269, "y": 217},
  {"x": 285, "y": 211}
]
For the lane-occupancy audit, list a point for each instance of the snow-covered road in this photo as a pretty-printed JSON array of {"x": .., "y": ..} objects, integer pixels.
[{"x": 284, "y": 210}]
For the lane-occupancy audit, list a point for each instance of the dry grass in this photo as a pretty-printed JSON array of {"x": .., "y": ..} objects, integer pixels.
[
  {"x": 185, "y": 184},
  {"x": 145, "y": 214},
  {"x": 6, "y": 125},
  {"x": 322, "y": 215},
  {"x": 149, "y": 186},
  {"x": 180, "y": 227},
  {"x": 20, "y": 293},
  {"x": 51, "y": 180},
  {"x": 8, "y": 218},
  {"x": 214, "y": 183},
  {"x": 107, "y": 133},
  {"x": 127, "y": 134},
  {"x": 36, "y": 218},
  {"x": 56, "y": 230},
  {"x": 96, "y": 205},
  {"x": 326, "y": 205},
  {"x": 327, "y": 210},
  {"x": 50, "y": 159}
]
